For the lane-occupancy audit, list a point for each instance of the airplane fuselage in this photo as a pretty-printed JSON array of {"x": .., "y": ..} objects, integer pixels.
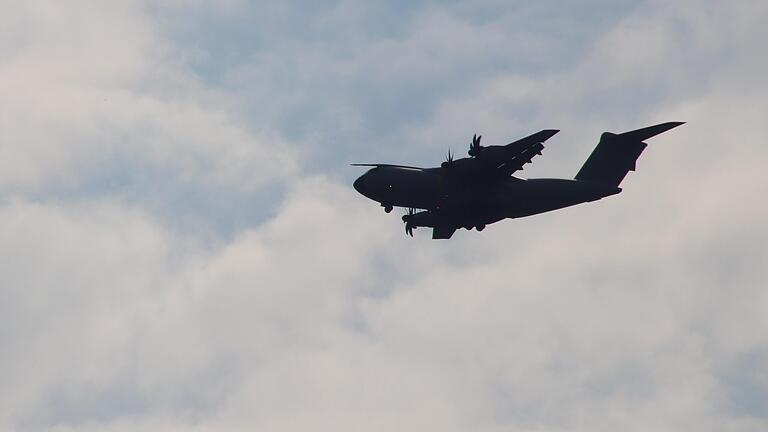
[{"x": 476, "y": 203}]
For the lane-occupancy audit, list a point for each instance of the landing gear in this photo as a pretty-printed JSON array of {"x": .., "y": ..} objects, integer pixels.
[
  {"x": 480, "y": 227},
  {"x": 387, "y": 208}
]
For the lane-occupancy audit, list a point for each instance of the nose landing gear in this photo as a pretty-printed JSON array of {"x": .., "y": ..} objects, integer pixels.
[{"x": 387, "y": 208}]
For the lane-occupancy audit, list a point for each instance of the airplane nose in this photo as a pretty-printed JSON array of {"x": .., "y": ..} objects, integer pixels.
[{"x": 359, "y": 184}]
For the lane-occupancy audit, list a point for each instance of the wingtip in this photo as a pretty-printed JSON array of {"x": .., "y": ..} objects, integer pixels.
[{"x": 548, "y": 133}]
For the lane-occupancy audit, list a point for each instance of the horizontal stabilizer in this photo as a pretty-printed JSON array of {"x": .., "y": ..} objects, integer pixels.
[{"x": 649, "y": 132}]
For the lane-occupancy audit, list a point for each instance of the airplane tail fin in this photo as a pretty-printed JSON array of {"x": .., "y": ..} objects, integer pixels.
[{"x": 616, "y": 154}]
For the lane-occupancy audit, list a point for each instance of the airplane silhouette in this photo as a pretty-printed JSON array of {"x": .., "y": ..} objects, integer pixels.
[{"x": 479, "y": 190}]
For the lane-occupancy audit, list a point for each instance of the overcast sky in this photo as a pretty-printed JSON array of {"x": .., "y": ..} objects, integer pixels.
[{"x": 181, "y": 248}]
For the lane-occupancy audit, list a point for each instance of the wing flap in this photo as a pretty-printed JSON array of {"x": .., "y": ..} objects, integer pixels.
[
  {"x": 496, "y": 156},
  {"x": 518, "y": 162}
]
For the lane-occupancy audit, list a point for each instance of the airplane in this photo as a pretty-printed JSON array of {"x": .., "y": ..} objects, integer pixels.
[{"x": 479, "y": 190}]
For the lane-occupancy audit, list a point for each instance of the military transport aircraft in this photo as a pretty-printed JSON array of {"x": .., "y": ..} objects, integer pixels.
[{"x": 478, "y": 190}]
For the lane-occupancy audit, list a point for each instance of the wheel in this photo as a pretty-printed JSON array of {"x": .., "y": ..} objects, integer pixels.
[
  {"x": 481, "y": 227},
  {"x": 387, "y": 209}
]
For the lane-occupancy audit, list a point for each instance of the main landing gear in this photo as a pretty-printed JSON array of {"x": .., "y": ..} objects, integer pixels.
[{"x": 478, "y": 227}]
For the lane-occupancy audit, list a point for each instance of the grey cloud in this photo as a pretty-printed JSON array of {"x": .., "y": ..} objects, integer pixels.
[
  {"x": 354, "y": 86},
  {"x": 98, "y": 103},
  {"x": 641, "y": 312}
]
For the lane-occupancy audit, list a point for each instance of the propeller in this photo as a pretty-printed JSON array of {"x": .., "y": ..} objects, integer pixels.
[
  {"x": 448, "y": 160},
  {"x": 409, "y": 225},
  {"x": 475, "y": 147}
]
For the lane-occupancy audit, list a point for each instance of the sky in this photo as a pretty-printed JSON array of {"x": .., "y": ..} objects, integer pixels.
[{"x": 181, "y": 247}]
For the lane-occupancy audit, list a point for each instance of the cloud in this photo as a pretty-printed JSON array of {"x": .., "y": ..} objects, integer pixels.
[
  {"x": 93, "y": 94},
  {"x": 642, "y": 311}
]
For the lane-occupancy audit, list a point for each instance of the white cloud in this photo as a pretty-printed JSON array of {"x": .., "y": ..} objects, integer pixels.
[
  {"x": 642, "y": 311},
  {"x": 91, "y": 87}
]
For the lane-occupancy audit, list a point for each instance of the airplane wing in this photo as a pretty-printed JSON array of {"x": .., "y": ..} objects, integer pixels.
[
  {"x": 538, "y": 137},
  {"x": 509, "y": 158},
  {"x": 519, "y": 161},
  {"x": 442, "y": 232},
  {"x": 386, "y": 165}
]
